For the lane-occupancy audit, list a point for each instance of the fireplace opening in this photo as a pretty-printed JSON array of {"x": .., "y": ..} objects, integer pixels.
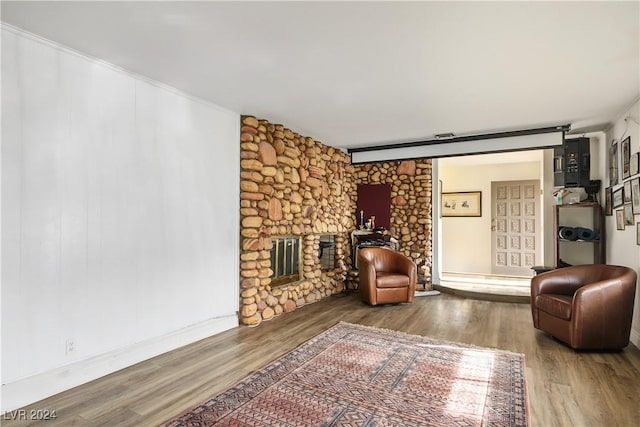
[
  {"x": 327, "y": 252},
  {"x": 285, "y": 260}
]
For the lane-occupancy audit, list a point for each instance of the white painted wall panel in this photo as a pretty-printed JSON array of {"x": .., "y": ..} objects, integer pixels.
[
  {"x": 119, "y": 210},
  {"x": 621, "y": 245}
]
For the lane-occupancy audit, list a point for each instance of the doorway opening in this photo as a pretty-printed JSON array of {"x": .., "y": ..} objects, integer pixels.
[{"x": 467, "y": 246}]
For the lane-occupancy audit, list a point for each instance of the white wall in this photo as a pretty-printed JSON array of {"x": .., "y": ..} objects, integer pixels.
[
  {"x": 119, "y": 219},
  {"x": 621, "y": 245},
  {"x": 466, "y": 242}
]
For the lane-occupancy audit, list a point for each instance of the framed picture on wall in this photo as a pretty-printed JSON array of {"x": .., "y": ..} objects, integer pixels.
[
  {"x": 467, "y": 203},
  {"x": 613, "y": 164},
  {"x": 618, "y": 197},
  {"x": 635, "y": 195},
  {"x": 608, "y": 210},
  {"x": 626, "y": 157},
  {"x": 638, "y": 233},
  {"x": 628, "y": 214},
  {"x": 620, "y": 219},
  {"x": 634, "y": 167},
  {"x": 627, "y": 191}
]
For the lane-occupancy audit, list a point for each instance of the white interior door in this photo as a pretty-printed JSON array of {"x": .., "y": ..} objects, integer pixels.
[{"x": 515, "y": 227}]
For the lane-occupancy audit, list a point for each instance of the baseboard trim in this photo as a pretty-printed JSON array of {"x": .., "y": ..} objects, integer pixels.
[{"x": 37, "y": 387}]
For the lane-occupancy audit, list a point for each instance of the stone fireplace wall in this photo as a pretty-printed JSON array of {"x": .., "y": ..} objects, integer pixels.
[
  {"x": 410, "y": 206},
  {"x": 290, "y": 185}
]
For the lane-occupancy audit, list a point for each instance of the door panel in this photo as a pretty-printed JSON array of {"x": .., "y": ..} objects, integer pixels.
[{"x": 515, "y": 227}]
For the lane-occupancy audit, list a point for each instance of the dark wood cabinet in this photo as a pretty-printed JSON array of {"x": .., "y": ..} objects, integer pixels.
[{"x": 579, "y": 234}]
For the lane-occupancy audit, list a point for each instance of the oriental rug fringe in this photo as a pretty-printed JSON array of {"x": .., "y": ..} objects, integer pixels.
[{"x": 352, "y": 375}]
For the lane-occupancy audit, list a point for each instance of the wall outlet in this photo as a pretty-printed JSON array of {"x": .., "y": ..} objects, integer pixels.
[{"x": 70, "y": 347}]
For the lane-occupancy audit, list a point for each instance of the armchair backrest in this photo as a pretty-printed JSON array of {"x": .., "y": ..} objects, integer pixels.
[
  {"x": 567, "y": 280},
  {"x": 383, "y": 259}
]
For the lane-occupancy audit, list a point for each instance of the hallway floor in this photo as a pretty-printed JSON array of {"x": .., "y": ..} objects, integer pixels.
[{"x": 487, "y": 287}]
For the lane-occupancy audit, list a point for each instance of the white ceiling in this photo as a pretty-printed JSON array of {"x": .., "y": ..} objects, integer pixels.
[{"x": 365, "y": 73}]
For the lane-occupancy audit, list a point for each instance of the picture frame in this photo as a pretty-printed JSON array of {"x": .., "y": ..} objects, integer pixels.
[
  {"x": 638, "y": 233},
  {"x": 608, "y": 210},
  {"x": 628, "y": 214},
  {"x": 613, "y": 164},
  {"x": 618, "y": 197},
  {"x": 634, "y": 167},
  {"x": 635, "y": 196},
  {"x": 620, "y": 219},
  {"x": 627, "y": 192},
  {"x": 626, "y": 157},
  {"x": 462, "y": 204}
]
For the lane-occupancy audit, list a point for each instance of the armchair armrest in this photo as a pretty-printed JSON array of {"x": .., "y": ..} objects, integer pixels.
[
  {"x": 407, "y": 267},
  {"x": 367, "y": 278},
  {"x": 603, "y": 310}
]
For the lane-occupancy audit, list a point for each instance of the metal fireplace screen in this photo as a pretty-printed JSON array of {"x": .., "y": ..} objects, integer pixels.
[
  {"x": 285, "y": 260},
  {"x": 327, "y": 252}
]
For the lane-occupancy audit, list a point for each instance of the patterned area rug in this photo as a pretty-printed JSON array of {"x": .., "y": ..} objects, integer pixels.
[{"x": 352, "y": 375}]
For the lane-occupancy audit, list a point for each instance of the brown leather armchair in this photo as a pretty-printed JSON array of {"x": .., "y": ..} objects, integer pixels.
[
  {"x": 589, "y": 307},
  {"x": 386, "y": 276}
]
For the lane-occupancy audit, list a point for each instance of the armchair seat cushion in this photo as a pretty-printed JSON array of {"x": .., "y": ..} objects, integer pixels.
[
  {"x": 556, "y": 305},
  {"x": 391, "y": 280}
]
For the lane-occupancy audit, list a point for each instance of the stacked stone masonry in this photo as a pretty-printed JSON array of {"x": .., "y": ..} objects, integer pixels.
[
  {"x": 411, "y": 223},
  {"x": 291, "y": 185}
]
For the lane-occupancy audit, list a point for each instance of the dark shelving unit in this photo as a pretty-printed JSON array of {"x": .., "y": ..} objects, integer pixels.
[{"x": 588, "y": 215}]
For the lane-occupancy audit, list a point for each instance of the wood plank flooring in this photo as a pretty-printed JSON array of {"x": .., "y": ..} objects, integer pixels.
[{"x": 565, "y": 388}]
